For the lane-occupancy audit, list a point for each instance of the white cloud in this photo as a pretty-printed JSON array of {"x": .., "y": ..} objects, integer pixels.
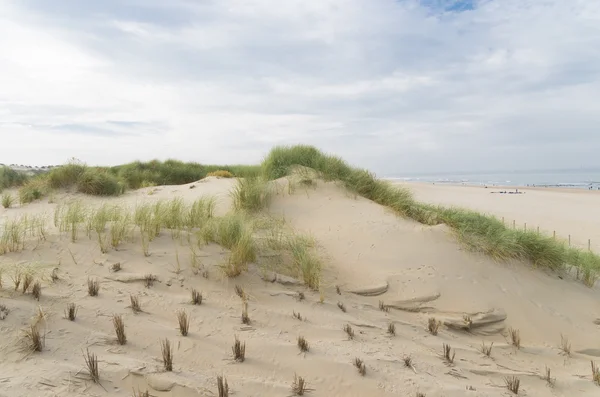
[{"x": 397, "y": 86}]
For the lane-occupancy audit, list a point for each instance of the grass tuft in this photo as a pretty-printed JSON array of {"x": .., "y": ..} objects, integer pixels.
[
  {"x": 245, "y": 316},
  {"x": 391, "y": 329},
  {"x": 360, "y": 365},
  {"x": 71, "y": 311},
  {"x": 349, "y": 331},
  {"x": 135, "y": 304},
  {"x": 447, "y": 354},
  {"x": 433, "y": 326},
  {"x": 196, "y": 297},
  {"x": 149, "y": 280},
  {"x": 184, "y": 322},
  {"x": 408, "y": 362},
  {"x": 549, "y": 379},
  {"x": 341, "y": 306},
  {"x": 512, "y": 384},
  {"x": 222, "y": 386},
  {"x": 93, "y": 287},
  {"x": 167, "y": 354},
  {"x": 485, "y": 349},
  {"x": 303, "y": 344},
  {"x": 91, "y": 362},
  {"x": 251, "y": 194},
  {"x": 515, "y": 337},
  {"x": 383, "y": 307},
  {"x": 595, "y": 373},
  {"x": 119, "y": 329},
  {"x": 565, "y": 345},
  {"x": 299, "y": 386},
  {"x": 27, "y": 280},
  {"x": 36, "y": 290},
  {"x": 298, "y": 316},
  {"x": 239, "y": 350},
  {"x": 140, "y": 393},
  {"x": 36, "y": 340},
  {"x": 7, "y": 200}
]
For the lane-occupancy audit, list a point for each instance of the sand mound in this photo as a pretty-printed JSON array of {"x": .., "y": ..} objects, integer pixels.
[{"x": 381, "y": 270}]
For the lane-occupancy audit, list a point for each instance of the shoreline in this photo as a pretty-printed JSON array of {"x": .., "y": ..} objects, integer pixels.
[{"x": 547, "y": 188}]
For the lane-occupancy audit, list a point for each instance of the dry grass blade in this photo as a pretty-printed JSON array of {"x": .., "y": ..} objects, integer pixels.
[
  {"x": 485, "y": 349},
  {"x": 93, "y": 287},
  {"x": 299, "y": 386},
  {"x": 595, "y": 373},
  {"x": 512, "y": 383},
  {"x": 565, "y": 345},
  {"x": 36, "y": 290},
  {"x": 349, "y": 331},
  {"x": 239, "y": 350},
  {"x": 303, "y": 344},
  {"x": 91, "y": 362},
  {"x": 245, "y": 316},
  {"x": 36, "y": 340},
  {"x": 433, "y": 326},
  {"x": 184, "y": 322},
  {"x": 27, "y": 280},
  {"x": 448, "y": 354},
  {"x": 298, "y": 316},
  {"x": 71, "y": 311},
  {"x": 342, "y": 307},
  {"x": 135, "y": 304},
  {"x": 549, "y": 379},
  {"x": 360, "y": 365},
  {"x": 119, "y": 329},
  {"x": 196, "y": 297},
  {"x": 391, "y": 329},
  {"x": 167, "y": 354},
  {"x": 239, "y": 291},
  {"x": 149, "y": 280},
  {"x": 222, "y": 386},
  {"x": 515, "y": 337}
]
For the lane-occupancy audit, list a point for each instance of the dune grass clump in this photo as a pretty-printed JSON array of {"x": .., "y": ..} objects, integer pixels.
[
  {"x": 299, "y": 386},
  {"x": 196, "y": 297},
  {"x": 66, "y": 175},
  {"x": 11, "y": 178},
  {"x": 349, "y": 331},
  {"x": 512, "y": 383},
  {"x": 239, "y": 350},
  {"x": 135, "y": 304},
  {"x": 71, "y": 311},
  {"x": 433, "y": 325},
  {"x": 220, "y": 174},
  {"x": 447, "y": 354},
  {"x": 360, "y": 366},
  {"x": 7, "y": 200},
  {"x": 35, "y": 340},
  {"x": 515, "y": 337},
  {"x": 149, "y": 280},
  {"x": 93, "y": 287},
  {"x": 391, "y": 329},
  {"x": 595, "y": 373},
  {"x": 33, "y": 190},
  {"x": 167, "y": 354},
  {"x": 91, "y": 362},
  {"x": 485, "y": 349},
  {"x": 303, "y": 344},
  {"x": 184, "y": 322},
  {"x": 36, "y": 290},
  {"x": 119, "y": 326},
  {"x": 69, "y": 217},
  {"x": 97, "y": 182},
  {"x": 251, "y": 194},
  {"x": 222, "y": 386}
]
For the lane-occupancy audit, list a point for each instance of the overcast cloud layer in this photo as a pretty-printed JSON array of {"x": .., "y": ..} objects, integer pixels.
[{"x": 396, "y": 86}]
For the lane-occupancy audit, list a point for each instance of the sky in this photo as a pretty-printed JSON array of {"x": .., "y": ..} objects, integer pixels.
[{"x": 395, "y": 86}]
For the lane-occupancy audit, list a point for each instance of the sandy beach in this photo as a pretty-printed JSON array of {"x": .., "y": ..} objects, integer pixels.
[
  {"x": 381, "y": 269},
  {"x": 564, "y": 211}
]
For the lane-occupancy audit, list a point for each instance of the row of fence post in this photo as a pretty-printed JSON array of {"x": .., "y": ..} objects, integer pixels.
[{"x": 553, "y": 233}]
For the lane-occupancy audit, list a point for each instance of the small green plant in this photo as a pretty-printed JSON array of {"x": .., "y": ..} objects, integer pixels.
[{"x": 7, "y": 200}]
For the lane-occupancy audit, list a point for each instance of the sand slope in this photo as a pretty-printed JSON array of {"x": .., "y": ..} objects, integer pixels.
[{"x": 365, "y": 248}]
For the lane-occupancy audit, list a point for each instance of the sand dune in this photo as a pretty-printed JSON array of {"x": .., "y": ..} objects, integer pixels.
[{"x": 417, "y": 272}]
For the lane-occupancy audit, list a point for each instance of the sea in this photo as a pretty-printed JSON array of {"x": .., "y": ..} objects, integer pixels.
[{"x": 574, "y": 178}]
